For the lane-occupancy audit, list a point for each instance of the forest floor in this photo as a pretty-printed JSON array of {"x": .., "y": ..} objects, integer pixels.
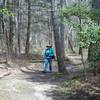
[{"x": 27, "y": 82}]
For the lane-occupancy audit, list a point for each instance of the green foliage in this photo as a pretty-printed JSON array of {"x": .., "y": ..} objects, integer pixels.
[
  {"x": 7, "y": 12},
  {"x": 92, "y": 65},
  {"x": 98, "y": 57},
  {"x": 94, "y": 14},
  {"x": 1, "y": 35},
  {"x": 75, "y": 10},
  {"x": 94, "y": 53},
  {"x": 90, "y": 31},
  {"x": 90, "y": 34}
]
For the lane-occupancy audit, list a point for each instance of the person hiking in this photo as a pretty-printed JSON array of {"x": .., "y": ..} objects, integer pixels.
[{"x": 48, "y": 56}]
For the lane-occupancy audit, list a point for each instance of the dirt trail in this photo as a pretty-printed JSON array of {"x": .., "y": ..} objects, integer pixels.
[
  {"x": 31, "y": 85},
  {"x": 26, "y": 86}
]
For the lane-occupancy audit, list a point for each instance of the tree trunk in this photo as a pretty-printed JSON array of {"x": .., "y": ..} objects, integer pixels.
[
  {"x": 27, "y": 48},
  {"x": 10, "y": 32},
  {"x": 80, "y": 23},
  {"x": 18, "y": 29},
  {"x": 59, "y": 50},
  {"x": 71, "y": 46},
  {"x": 62, "y": 3},
  {"x": 50, "y": 31},
  {"x": 10, "y": 35}
]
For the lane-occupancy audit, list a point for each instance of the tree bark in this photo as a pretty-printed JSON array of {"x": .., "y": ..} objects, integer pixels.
[
  {"x": 18, "y": 28},
  {"x": 27, "y": 48},
  {"x": 10, "y": 32},
  {"x": 62, "y": 3},
  {"x": 80, "y": 24},
  {"x": 59, "y": 50},
  {"x": 71, "y": 46}
]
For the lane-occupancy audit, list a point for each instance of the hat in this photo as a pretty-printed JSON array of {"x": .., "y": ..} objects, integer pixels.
[{"x": 49, "y": 46}]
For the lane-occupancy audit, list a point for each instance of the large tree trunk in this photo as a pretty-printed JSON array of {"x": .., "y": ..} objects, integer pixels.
[
  {"x": 62, "y": 4},
  {"x": 59, "y": 50},
  {"x": 27, "y": 48}
]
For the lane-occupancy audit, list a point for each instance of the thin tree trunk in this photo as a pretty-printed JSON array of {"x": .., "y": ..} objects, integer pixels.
[
  {"x": 5, "y": 32},
  {"x": 80, "y": 24},
  {"x": 18, "y": 29},
  {"x": 10, "y": 34},
  {"x": 27, "y": 48},
  {"x": 50, "y": 31},
  {"x": 71, "y": 46}
]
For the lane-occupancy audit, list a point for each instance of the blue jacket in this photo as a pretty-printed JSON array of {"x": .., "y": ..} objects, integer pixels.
[{"x": 49, "y": 52}]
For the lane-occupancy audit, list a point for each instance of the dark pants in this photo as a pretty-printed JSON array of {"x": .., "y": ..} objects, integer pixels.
[{"x": 50, "y": 64}]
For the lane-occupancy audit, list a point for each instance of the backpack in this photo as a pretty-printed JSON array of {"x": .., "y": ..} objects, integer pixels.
[
  {"x": 47, "y": 53},
  {"x": 52, "y": 53}
]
